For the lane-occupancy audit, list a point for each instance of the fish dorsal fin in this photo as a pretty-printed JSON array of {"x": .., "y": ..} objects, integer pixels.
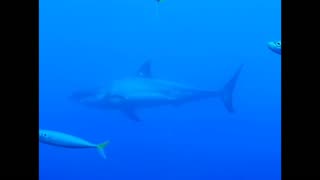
[{"x": 145, "y": 70}]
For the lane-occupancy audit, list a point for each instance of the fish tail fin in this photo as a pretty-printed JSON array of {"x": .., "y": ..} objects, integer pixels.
[
  {"x": 101, "y": 147},
  {"x": 226, "y": 94}
]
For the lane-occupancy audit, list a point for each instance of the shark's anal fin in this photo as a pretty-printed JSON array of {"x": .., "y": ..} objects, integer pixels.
[
  {"x": 145, "y": 70},
  {"x": 130, "y": 113}
]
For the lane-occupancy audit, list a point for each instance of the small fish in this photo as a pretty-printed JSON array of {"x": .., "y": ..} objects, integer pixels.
[
  {"x": 68, "y": 141},
  {"x": 275, "y": 46}
]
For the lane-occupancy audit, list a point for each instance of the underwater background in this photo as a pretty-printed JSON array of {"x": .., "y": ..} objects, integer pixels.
[{"x": 201, "y": 43}]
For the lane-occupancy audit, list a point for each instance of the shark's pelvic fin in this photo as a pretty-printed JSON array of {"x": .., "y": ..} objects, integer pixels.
[
  {"x": 145, "y": 70},
  {"x": 100, "y": 148},
  {"x": 226, "y": 93}
]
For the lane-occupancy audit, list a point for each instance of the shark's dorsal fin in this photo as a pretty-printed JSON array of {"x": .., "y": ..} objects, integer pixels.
[{"x": 145, "y": 70}]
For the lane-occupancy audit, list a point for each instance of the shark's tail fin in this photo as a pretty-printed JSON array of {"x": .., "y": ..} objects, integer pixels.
[
  {"x": 226, "y": 94},
  {"x": 100, "y": 148}
]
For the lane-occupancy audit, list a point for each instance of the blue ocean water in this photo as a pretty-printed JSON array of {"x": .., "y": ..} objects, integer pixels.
[{"x": 86, "y": 44}]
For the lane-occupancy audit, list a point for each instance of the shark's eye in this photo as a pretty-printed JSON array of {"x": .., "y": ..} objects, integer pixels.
[
  {"x": 44, "y": 134},
  {"x": 278, "y": 43}
]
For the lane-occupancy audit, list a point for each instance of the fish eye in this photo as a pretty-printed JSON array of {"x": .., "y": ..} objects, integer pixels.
[{"x": 279, "y": 43}]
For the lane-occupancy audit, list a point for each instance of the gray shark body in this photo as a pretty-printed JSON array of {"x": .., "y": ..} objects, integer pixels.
[{"x": 145, "y": 91}]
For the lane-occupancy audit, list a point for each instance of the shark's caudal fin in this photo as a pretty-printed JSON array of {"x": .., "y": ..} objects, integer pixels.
[
  {"x": 145, "y": 70},
  {"x": 100, "y": 148},
  {"x": 226, "y": 94}
]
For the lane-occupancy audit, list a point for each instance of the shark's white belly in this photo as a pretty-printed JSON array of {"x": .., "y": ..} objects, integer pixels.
[{"x": 143, "y": 92}]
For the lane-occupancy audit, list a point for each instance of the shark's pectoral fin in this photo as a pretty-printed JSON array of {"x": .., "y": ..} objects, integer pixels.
[{"x": 130, "y": 113}]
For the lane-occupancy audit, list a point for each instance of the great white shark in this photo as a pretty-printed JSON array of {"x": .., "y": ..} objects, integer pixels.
[{"x": 142, "y": 90}]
